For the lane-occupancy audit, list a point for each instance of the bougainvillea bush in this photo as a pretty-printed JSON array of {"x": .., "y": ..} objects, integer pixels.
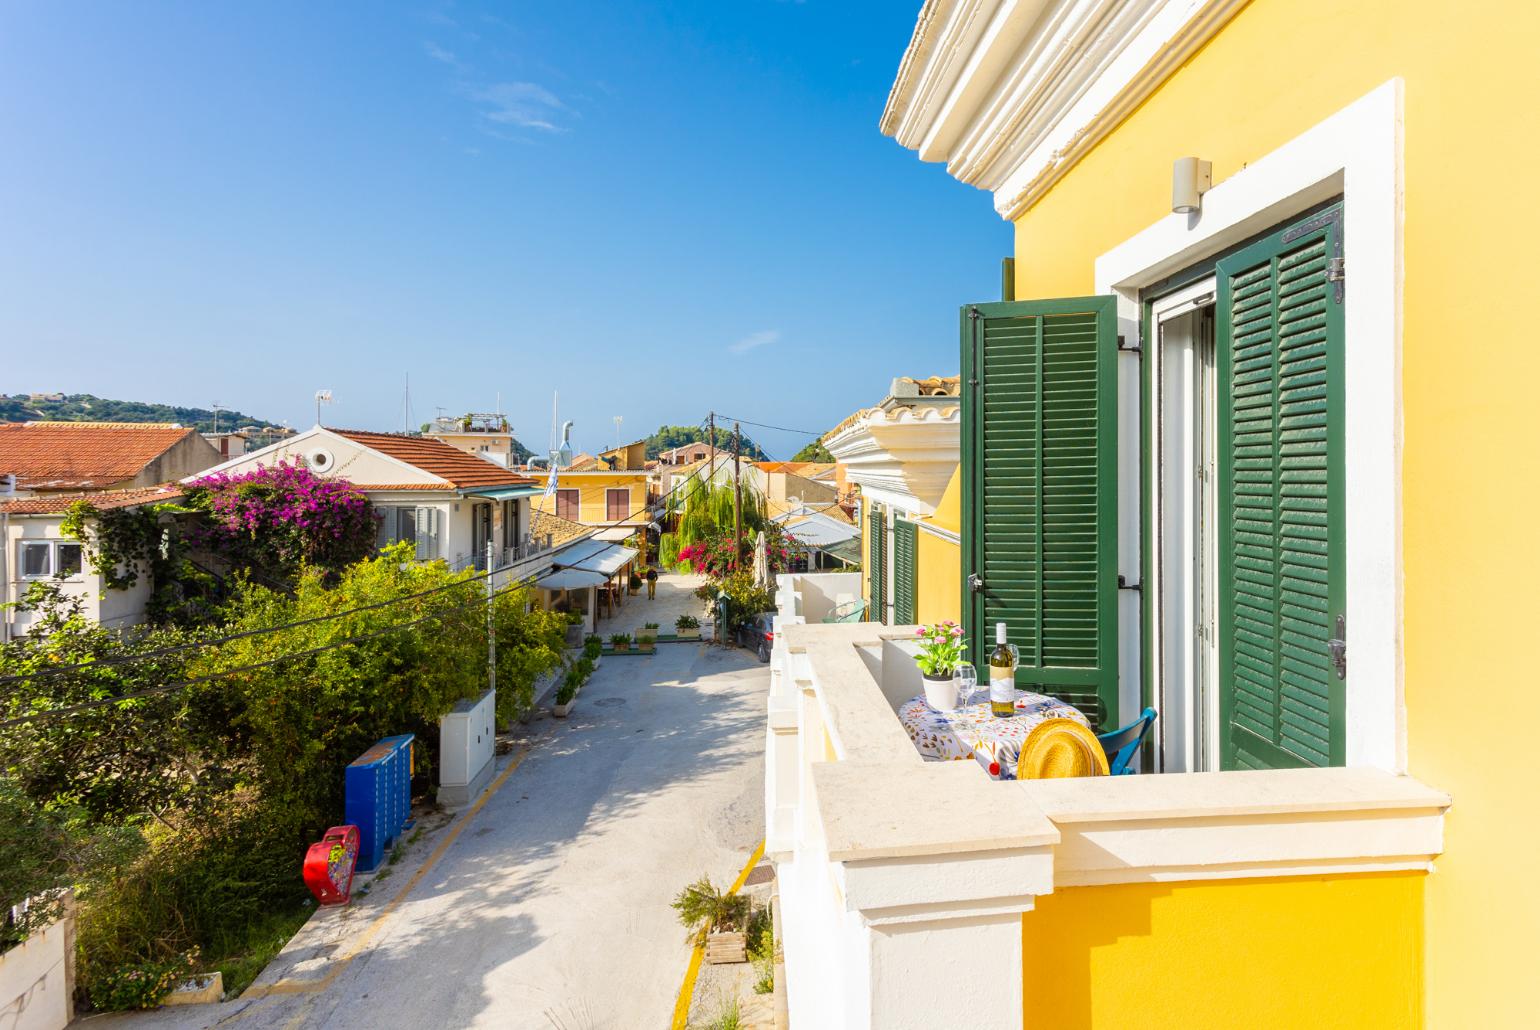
[
  {"x": 277, "y": 519},
  {"x": 717, "y": 558}
]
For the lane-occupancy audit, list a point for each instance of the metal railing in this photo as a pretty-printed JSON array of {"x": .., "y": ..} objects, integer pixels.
[{"x": 531, "y": 547}]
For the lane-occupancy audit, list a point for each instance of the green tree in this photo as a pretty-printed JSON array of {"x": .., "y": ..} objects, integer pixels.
[
  {"x": 669, "y": 437},
  {"x": 814, "y": 451}
]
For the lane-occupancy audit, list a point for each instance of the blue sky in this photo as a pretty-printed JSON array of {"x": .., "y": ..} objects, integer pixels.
[{"x": 657, "y": 209}]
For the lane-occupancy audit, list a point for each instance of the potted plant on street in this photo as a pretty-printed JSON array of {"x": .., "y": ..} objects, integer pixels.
[
  {"x": 721, "y": 918},
  {"x": 574, "y": 628},
  {"x": 636, "y": 581},
  {"x": 620, "y": 642},
  {"x": 687, "y": 627},
  {"x": 941, "y": 651},
  {"x": 646, "y": 643}
]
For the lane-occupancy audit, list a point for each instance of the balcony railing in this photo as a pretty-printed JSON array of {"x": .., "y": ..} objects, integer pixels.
[
  {"x": 532, "y": 547},
  {"x": 887, "y": 862}
]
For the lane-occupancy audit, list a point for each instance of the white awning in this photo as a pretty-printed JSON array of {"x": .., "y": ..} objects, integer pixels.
[
  {"x": 615, "y": 534},
  {"x": 569, "y": 579},
  {"x": 594, "y": 556}
]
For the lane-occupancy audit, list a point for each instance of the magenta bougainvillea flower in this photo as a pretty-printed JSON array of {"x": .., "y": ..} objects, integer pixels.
[{"x": 278, "y": 518}]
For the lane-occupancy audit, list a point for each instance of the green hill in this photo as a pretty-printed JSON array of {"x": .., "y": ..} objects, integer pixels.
[
  {"x": 669, "y": 437},
  {"x": 83, "y": 407}
]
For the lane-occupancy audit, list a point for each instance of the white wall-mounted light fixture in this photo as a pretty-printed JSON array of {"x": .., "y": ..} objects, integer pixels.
[{"x": 1191, "y": 177}]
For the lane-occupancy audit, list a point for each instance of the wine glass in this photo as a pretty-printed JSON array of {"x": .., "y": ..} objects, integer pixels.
[{"x": 967, "y": 679}]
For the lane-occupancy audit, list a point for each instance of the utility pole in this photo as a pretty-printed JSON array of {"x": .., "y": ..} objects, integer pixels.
[
  {"x": 711, "y": 438},
  {"x": 491, "y": 623},
  {"x": 738, "y": 490}
]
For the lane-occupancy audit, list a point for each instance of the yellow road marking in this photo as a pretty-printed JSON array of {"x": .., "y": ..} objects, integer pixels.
[
  {"x": 687, "y": 989},
  {"x": 362, "y": 940}
]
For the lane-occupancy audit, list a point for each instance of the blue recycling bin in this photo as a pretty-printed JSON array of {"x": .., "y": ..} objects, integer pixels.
[{"x": 377, "y": 790}]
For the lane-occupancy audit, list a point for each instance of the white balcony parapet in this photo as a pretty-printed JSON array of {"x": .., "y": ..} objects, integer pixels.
[{"x": 899, "y": 876}]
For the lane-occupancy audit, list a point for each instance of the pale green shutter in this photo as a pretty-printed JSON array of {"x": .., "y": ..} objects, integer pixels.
[
  {"x": 1281, "y": 574},
  {"x": 905, "y": 569},
  {"x": 1039, "y": 447},
  {"x": 877, "y": 574}
]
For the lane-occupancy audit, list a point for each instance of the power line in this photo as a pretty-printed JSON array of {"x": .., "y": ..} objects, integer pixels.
[
  {"x": 59, "y": 670},
  {"x": 782, "y": 429},
  {"x": 166, "y": 688}
]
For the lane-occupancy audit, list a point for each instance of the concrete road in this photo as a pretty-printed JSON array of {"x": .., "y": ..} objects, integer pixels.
[{"x": 550, "y": 908}]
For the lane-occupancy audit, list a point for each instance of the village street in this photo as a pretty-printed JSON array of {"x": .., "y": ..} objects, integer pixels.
[{"x": 549, "y": 907}]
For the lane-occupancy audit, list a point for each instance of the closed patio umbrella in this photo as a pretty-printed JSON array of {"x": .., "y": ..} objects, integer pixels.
[{"x": 761, "y": 561}]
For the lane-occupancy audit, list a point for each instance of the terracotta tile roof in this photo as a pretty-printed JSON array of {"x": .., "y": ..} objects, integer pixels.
[
  {"x": 936, "y": 386},
  {"x": 561, "y": 530},
  {"x": 82, "y": 455},
  {"x": 105, "y": 500},
  {"x": 464, "y": 470}
]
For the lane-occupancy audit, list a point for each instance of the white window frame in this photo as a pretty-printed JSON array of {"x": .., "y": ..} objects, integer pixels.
[
  {"x": 21, "y": 562},
  {"x": 1355, "y": 153},
  {"x": 58, "y": 564}
]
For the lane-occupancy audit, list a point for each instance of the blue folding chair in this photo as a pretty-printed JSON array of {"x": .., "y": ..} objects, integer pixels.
[{"x": 1121, "y": 745}]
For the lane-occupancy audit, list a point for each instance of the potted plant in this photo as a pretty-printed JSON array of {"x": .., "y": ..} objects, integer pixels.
[
  {"x": 687, "y": 627},
  {"x": 646, "y": 643},
  {"x": 620, "y": 642},
  {"x": 722, "y": 919},
  {"x": 574, "y": 628},
  {"x": 941, "y": 651},
  {"x": 636, "y": 581}
]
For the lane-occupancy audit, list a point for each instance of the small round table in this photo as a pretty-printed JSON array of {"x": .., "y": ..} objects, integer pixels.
[{"x": 971, "y": 732}]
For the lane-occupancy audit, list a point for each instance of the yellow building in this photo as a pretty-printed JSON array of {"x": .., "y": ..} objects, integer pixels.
[
  {"x": 611, "y": 492},
  {"x": 1244, "y": 444}
]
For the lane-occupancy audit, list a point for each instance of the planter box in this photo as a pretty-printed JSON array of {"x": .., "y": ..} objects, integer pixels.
[
  {"x": 560, "y": 711},
  {"x": 621, "y": 648},
  {"x": 37, "y": 978},
  {"x": 688, "y": 634},
  {"x": 727, "y": 947},
  {"x": 200, "y": 990}
]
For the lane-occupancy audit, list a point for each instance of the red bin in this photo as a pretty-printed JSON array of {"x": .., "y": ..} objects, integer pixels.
[{"x": 329, "y": 865}]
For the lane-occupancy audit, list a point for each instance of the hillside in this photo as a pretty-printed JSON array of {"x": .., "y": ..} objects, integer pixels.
[
  {"x": 669, "y": 437},
  {"x": 84, "y": 407}
]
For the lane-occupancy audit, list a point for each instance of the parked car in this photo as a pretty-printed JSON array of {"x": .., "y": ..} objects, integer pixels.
[{"x": 758, "y": 634}]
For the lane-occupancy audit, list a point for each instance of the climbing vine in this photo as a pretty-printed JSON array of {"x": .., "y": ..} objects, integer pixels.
[{"x": 119, "y": 542}]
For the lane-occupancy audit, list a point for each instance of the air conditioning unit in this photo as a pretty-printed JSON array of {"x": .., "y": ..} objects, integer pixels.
[{"x": 467, "y": 739}]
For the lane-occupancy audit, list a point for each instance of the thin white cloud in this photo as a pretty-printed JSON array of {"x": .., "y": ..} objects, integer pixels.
[
  {"x": 443, "y": 56},
  {"x": 521, "y": 104},
  {"x": 754, "y": 341}
]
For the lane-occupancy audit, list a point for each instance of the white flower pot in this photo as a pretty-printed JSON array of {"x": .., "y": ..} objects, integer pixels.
[{"x": 941, "y": 694}]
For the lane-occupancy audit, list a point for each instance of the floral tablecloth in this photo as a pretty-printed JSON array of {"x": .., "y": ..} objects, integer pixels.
[{"x": 971, "y": 732}]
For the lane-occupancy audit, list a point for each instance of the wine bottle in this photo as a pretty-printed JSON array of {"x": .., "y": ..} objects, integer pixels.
[{"x": 1002, "y": 676}]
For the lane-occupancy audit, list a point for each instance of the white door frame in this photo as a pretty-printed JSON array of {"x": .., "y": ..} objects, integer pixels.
[{"x": 1355, "y": 153}]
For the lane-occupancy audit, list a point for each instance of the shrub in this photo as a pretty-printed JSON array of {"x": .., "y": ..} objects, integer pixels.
[
  {"x": 761, "y": 936},
  {"x": 685, "y": 622},
  {"x": 593, "y": 648},
  {"x": 141, "y": 985},
  {"x": 744, "y": 599},
  {"x": 620, "y": 639},
  {"x": 704, "y": 908}
]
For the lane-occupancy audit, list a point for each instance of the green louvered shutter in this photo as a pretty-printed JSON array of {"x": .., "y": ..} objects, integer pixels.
[
  {"x": 905, "y": 568},
  {"x": 877, "y": 574},
  {"x": 1040, "y": 493},
  {"x": 1278, "y": 346}
]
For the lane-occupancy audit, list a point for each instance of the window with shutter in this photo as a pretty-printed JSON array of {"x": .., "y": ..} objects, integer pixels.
[
  {"x": 1039, "y": 443},
  {"x": 617, "y": 504},
  {"x": 567, "y": 505},
  {"x": 1279, "y": 334},
  {"x": 905, "y": 569},
  {"x": 877, "y": 571}
]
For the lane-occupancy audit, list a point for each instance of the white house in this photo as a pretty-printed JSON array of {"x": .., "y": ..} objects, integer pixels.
[
  {"x": 34, "y": 548},
  {"x": 450, "y": 504}
]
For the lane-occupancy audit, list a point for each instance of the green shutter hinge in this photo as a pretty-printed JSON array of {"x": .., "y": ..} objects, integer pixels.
[
  {"x": 1123, "y": 346},
  {"x": 974, "y": 312},
  {"x": 1124, "y": 584}
]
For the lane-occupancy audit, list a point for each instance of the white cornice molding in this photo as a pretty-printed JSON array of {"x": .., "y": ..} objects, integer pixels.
[
  {"x": 1012, "y": 93},
  {"x": 903, "y": 458}
]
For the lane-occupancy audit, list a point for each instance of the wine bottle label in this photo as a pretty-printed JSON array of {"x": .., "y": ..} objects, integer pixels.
[{"x": 1002, "y": 687}]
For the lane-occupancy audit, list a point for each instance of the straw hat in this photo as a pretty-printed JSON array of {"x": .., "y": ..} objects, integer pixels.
[{"x": 1061, "y": 747}]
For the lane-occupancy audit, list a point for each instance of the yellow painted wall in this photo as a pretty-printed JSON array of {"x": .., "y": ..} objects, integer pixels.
[
  {"x": 593, "y": 489},
  {"x": 939, "y": 562},
  {"x": 1256, "y": 954},
  {"x": 1469, "y": 377}
]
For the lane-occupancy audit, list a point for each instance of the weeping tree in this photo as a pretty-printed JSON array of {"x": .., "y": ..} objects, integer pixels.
[{"x": 705, "y": 513}]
